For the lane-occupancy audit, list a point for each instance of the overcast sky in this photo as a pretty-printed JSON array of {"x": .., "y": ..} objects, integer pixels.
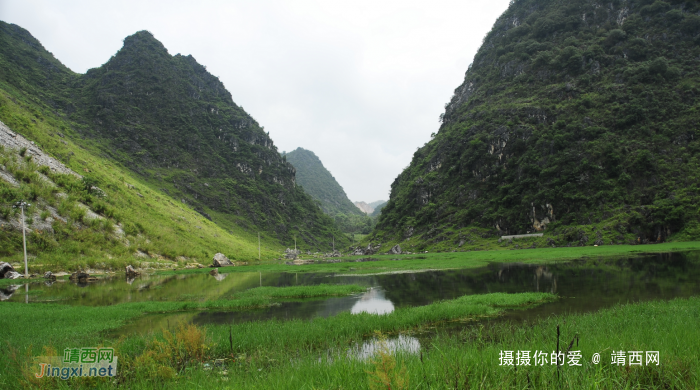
[{"x": 360, "y": 83}]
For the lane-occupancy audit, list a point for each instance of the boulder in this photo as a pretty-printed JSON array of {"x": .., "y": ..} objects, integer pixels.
[
  {"x": 396, "y": 250},
  {"x": 48, "y": 275},
  {"x": 356, "y": 251},
  {"x": 131, "y": 272},
  {"x": 220, "y": 260},
  {"x": 13, "y": 275},
  {"x": 333, "y": 254},
  {"x": 7, "y": 272}
]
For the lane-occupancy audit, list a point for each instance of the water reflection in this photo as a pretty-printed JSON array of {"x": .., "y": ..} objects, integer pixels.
[
  {"x": 373, "y": 302},
  {"x": 583, "y": 286},
  {"x": 7, "y": 291},
  {"x": 370, "y": 348},
  {"x": 220, "y": 277}
]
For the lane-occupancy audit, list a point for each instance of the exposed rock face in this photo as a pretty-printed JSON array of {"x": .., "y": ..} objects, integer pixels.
[
  {"x": 370, "y": 250},
  {"x": 396, "y": 250},
  {"x": 220, "y": 260},
  {"x": 7, "y": 272},
  {"x": 291, "y": 254},
  {"x": 50, "y": 276},
  {"x": 12, "y": 140},
  {"x": 333, "y": 254},
  {"x": 367, "y": 209},
  {"x": 356, "y": 251}
]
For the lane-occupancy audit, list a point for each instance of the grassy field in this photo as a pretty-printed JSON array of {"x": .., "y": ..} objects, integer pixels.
[
  {"x": 461, "y": 260},
  {"x": 313, "y": 354},
  {"x": 153, "y": 222},
  {"x": 470, "y": 359},
  {"x": 47, "y": 328},
  {"x": 264, "y": 356}
]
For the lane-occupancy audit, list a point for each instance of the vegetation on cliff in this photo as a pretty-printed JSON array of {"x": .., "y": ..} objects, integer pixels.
[
  {"x": 318, "y": 182},
  {"x": 579, "y": 118},
  {"x": 169, "y": 121}
]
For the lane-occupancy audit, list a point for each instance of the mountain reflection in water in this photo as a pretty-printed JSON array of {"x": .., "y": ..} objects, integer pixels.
[{"x": 373, "y": 302}]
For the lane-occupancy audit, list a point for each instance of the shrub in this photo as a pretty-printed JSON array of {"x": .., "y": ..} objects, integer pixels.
[
  {"x": 691, "y": 24},
  {"x": 657, "y": 8},
  {"x": 658, "y": 66}
]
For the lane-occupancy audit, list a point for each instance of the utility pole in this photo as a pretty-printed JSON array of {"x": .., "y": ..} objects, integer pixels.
[
  {"x": 295, "y": 245},
  {"x": 333, "y": 243},
  {"x": 22, "y": 204},
  {"x": 258, "y": 246}
]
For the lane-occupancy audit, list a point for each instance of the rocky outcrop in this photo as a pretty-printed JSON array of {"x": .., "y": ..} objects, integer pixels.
[
  {"x": 356, "y": 251},
  {"x": 333, "y": 254},
  {"x": 291, "y": 254},
  {"x": 220, "y": 260},
  {"x": 370, "y": 250},
  {"x": 49, "y": 276},
  {"x": 396, "y": 250},
  {"x": 367, "y": 209},
  {"x": 11, "y": 140}
]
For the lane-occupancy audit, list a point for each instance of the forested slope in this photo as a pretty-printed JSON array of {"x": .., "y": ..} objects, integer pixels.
[
  {"x": 318, "y": 182},
  {"x": 575, "y": 116}
]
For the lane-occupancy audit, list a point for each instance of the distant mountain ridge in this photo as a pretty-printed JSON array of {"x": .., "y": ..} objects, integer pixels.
[
  {"x": 369, "y": 208},
  {"x": 318, "y": 182},
  {"x": 378, "y": 209}
]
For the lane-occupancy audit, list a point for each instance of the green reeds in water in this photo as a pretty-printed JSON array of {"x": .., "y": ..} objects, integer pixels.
[{"x": 470, "y": 359}]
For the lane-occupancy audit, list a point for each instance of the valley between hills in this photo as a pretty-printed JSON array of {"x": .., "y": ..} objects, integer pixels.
[{"x": 556, "y": 203}]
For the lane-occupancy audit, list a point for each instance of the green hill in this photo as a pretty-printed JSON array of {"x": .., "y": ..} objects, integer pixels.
[
  {"x": 320, "y": 184},
  {"x": 578, "y": 118},
  {"x": 163, "y": 124},
  {"x": 378, "y": 206}
]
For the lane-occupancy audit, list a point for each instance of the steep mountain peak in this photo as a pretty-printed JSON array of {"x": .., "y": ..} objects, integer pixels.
[
  {"x": 318, "y": 182},
  {"x": 172, "y": 122},
  {"x": 144, "y": 39}
]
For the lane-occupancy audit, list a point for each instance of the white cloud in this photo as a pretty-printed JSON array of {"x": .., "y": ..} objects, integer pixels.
[{"x": 360, "y": 83}]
